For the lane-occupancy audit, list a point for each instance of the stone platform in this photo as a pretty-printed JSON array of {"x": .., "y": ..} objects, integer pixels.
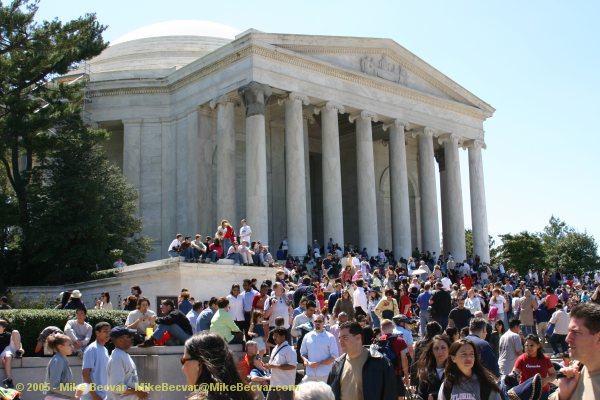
[{"x": 158, "y": 279}]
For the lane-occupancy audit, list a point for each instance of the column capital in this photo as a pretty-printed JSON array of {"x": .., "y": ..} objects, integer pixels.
[
  {"x": 255, "y": 96},
  {"x": 364, "y": 114},
  {"x": 331, "y": 105},
  {"x": 450, "y": 138},
  {"x": 397, "y": 123},
  {"x": 475, "y": 144},
  {"x": 427, "y": 132},
  {"x": 226, "y": 98}
]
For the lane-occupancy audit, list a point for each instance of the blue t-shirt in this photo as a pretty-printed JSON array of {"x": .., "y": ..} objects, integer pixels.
[
  {"x": 204, "y": 319},
  {"x": 96, "y": 358},
  {"x": 423, "y": 300}
]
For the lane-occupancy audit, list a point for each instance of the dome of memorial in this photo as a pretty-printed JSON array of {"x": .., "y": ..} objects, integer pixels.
[{"x": 162, "y": 47}]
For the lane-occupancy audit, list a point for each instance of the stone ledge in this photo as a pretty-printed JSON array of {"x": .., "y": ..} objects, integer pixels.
[
  {"x": 164, "y": 350},
  {"x": 37, "y": 362}
]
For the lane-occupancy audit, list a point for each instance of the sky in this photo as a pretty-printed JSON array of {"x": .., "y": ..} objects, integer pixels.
[{"x": 536, "y": 62}]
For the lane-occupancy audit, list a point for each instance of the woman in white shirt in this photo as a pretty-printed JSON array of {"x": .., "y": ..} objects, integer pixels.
[
  {"x": 103, "y": 303},
  {"x": 236, "y": 306},
  {"x": 142, "y": 317},
  {"x": 472, "y": 303}
]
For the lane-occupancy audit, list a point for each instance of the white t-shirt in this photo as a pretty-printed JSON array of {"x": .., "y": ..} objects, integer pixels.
[
  {"x": 286, "y": 355},
  {"x": 121, "y": 371},
  {"x": 561, "y": 320},
  {"x": 175, "y": 243},
  {"x": 499, "y": 303},
  {"x": 447, "y": 283},
  {"x": 236, "y": 307},
  {"x": 245, "y": 232},
  {"x": 135, "y": 315},
  {"x": 281, "y": 309}
]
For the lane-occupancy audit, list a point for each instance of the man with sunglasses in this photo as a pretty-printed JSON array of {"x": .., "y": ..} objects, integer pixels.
[{"x": 318, "y": 351}]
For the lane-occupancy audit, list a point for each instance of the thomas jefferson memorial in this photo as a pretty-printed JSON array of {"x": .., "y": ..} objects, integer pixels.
[{"x": 309, "y": 137}]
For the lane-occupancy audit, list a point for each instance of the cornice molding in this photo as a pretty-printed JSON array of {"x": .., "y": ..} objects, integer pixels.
[{"x": 355, "y": 77}]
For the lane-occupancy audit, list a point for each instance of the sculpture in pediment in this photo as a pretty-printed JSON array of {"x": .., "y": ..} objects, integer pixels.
[{"x": 383, "y": 68}]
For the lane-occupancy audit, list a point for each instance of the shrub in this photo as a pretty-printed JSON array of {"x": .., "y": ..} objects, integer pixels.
[
  {"x": 31, "y": 322},
  {"x": 105, "y": 273}
]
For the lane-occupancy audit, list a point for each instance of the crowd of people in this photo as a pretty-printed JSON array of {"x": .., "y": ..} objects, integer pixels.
[{"x": 350, "y": 326}]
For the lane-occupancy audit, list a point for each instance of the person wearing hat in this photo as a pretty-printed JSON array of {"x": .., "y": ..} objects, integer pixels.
[
  {"x": 401, "y": 329},
  {"x": 122, "y": 372},
  {"x": 75, "y": 302}
]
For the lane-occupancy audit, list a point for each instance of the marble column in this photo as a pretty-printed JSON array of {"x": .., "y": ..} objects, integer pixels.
[
  {"x": 430, "y": 226},
  {"x": 132, "y": 147},
  {"x": 478, "y": 206},
  {"x": 226, "y": 192},
  {"x": 455, "y": 220},
  {"x": 401, "y": 240},
  {"x": 255, "y": 96},
  {"x": 333, "y": 216},
  {"x": 295, "y": 193},
  {"x": 367, "y": 198},
  {"x": 439, "y": 156},
  {"x": 308, "y": 119}
]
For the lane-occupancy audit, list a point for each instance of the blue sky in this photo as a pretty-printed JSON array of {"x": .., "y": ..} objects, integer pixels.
[{"x": 536, "y": 62}]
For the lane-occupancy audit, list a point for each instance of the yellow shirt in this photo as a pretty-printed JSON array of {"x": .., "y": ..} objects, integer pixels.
[{"x": 351, "y": 384}]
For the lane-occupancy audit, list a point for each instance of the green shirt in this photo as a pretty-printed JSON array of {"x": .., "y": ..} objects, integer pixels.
[{"x": 222, "y": 324}]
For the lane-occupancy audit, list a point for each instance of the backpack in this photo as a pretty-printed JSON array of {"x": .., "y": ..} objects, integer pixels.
[{"x": 386, "y": 348}]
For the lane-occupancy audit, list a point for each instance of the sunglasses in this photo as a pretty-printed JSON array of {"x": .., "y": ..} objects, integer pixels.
[{"x": 183, "y": 360}]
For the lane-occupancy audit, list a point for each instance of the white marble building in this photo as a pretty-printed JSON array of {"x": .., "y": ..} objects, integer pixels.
[{"x": 308, "y": 137}]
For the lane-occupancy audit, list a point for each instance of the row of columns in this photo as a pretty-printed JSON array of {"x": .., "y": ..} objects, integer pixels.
[{"x": 255, "y": 96}]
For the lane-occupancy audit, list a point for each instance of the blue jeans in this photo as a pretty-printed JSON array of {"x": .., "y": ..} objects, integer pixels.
[
  {"x": 527, "y": 330},
  {"x": 173, "y": 253},
  {"x": 375, "y": 318},
  {"x": 175, "y": 331},
  {"x": 188, "y": 253},
  {"x": 212, "y": 255},
  {"x": 236, "y": 257},
  {"x": 226, "y": 245},
  {"x": 555, "y": 340},
  {"x": 423, "y": 320}
]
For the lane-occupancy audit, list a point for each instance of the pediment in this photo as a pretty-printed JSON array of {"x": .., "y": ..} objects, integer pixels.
[{"x": 381, "y": 59}]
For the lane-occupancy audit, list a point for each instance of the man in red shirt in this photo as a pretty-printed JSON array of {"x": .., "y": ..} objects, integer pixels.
[
  {"x": 399, "y": 347},
  {"x": 245, "y": 364},
  {"x": 467, "y": 281}
]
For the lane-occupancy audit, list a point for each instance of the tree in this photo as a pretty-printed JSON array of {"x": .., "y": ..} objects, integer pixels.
[
  {"x": 577, "y": 253},
  {"x": 554, "y": 232},
  {"x": 470, "y": 246},
  {"x": 83, "y": 211},
  {"x": 34, "y": 106},
  {"x": 522, "y": 251}
]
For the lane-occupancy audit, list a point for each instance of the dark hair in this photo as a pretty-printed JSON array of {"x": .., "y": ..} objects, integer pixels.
[
  {"x": 501, "y": 323},
  {"x": 4, "y": 299},
  {"x": 360, "y": 283},
  {"x": 140, "y": 301},
  {"x": 101, "y": 325},
  {"x": 137, "y": 289},
  {"x": 107, "y": 295},
  {"x": 536, "y": 340},
  {"x": 354, "y": 328},
  {"x": 389, "y": 292},
  {"x": 477, "y": 325},
  {"x": 514, "y": 322},
  {"x": 306, "y": 280},
  {"x": 185, "y": 294},
  {"x": 432, "y": 329},
  {"x": 234, "y": 286},
  {"x": 222, "y": 302},
  {"x": 4, "y": 323},
  {"x": 451, "y": 331},
  {"x": 213, "y": 300},
  {"x": 590, "y": 314},
  {"x": 81, "y": 309},
  {"x": 217, "y": 362},
  {"x": 197, "y": 305},
  {"x": 310, "y": 304},
  {"x": 453, "y": 373},
  {"x": 281, "y": 331},
  {"x": 426, "y": 362},
  {"x": 168, "y": 302}
]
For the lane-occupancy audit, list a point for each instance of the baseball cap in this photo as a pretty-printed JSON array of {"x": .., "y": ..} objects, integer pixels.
[{"x": 119, "y": 331}]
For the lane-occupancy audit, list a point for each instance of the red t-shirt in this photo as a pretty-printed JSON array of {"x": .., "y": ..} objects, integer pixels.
[
  {"x": 551, "y": 301},
  {"x": 398, "y": 345},
  {"x": 405, "y": 301},
  {"x": 530, "y": 366},
  {"x": 467, "y": 281}
]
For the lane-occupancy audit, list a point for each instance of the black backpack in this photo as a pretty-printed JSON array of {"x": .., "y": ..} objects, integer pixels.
[{"x": 386, "y": 348}]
